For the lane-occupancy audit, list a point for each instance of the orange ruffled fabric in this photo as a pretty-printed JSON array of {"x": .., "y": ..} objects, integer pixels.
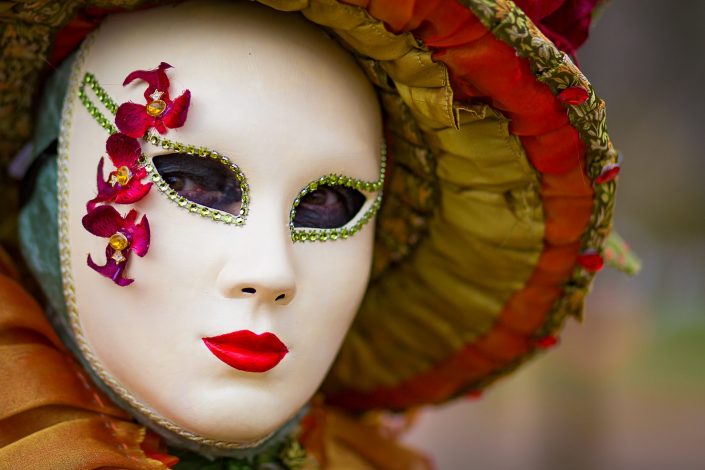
[
  {"x": 51, "y": 416},
  {"x": 341, "y": 442},
  {"x": 484, "y": 67}
]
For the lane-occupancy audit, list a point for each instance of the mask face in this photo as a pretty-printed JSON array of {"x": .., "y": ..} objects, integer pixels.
[{"x": 228, "y": 329}]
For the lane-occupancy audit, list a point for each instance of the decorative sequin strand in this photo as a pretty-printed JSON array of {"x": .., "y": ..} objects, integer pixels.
[
  {"x": 90, "y": 81},
  {"x": 355, "y": 225}
]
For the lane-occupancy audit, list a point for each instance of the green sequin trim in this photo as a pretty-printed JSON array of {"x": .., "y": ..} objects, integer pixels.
[
  {"x": 100, "y": 93},
  {"x": 151, "y": 138},
  {"x": 355, "y": 225}
]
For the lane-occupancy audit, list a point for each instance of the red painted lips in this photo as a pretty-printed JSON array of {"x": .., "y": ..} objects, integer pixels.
[{"x": 247, "y": 351}]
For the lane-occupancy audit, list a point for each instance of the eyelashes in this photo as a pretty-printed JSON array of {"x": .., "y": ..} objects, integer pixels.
[{"x": 209, "y": 187}]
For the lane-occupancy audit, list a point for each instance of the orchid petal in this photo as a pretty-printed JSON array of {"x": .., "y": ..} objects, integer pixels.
[
  {"x": 123, "y": 150},
  {"x": 132, "y": 119},
  {"x": 105, "y": 191},
  {"x": 176, "y": 115},
  {"x": 140, "y": 237},
  {"x": 100, "y": 198},
  {"x": 129, "y": 221},
  {"x": 138, "y": 173},
  {"x": 155, "y": 78},
  {"x": 111, "y": 269},
  {"x": 102, "y": 221},
  {"x": 133, "y": 192},
  {"x": 159, "y": 126}
]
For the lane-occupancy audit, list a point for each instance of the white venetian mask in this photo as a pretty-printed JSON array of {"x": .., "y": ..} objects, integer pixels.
[{"x": 288, "y": 106}]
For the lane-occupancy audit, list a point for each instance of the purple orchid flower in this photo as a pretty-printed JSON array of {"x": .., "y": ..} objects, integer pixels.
[
  {"x": 124, "y": 185},
  {"x": 124, "y": 237},
  {"x": 160, "y": 112}
]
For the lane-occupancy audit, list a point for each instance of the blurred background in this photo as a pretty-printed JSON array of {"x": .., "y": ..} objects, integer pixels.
[{"x": 626, "y": 388}]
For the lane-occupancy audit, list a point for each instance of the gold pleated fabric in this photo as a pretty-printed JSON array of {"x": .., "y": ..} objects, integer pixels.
[{"x": 51, "y": 416}]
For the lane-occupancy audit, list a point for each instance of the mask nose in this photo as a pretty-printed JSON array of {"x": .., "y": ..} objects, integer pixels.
[
  {"x": 260, "y": 268},
  {"x": 264, "y": 290}
]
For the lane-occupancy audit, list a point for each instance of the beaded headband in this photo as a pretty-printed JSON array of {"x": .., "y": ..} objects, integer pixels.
[{"x": 124, "y": 184}]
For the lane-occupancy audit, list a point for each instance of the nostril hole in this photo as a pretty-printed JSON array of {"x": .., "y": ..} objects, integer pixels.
[
  {"x": 248, "y": 290},
  {"x": 280, "y": 297}
]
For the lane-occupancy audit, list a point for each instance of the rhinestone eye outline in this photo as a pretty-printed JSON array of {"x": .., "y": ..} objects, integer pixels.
[
  {"x": 306, "y": 234},
  {"x": 185, "y": 203}
]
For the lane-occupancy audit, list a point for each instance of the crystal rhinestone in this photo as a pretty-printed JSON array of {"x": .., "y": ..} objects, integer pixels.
[
  {"x": 118, "y": 257},
  {"x": 123, "y": 175},
  {"x": 118, "y": 241},
  {"x": 156, "y": 94},
  {"x": 156, "y": 108}
]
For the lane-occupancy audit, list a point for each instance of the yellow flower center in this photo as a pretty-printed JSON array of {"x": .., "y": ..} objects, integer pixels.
[
  {"x": 123, "y": 175},
  {"x": 156, "y": 108},
  {"x": 118, "y": 241}
]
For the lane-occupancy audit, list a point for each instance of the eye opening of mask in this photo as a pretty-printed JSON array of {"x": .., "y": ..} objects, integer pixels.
[
  {"x": 355, "y": 209},
  {"x": 208, "y": 173},
  {"x": 328, "y": 206},
  {"x": 206, "y": 182}
]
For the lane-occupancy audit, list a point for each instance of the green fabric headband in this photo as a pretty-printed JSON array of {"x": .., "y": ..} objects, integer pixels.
[{"x": 38, "y": 221}]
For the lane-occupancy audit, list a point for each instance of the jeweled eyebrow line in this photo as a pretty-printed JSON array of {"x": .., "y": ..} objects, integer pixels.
[
  {"x": 167, "y": 144},
  {"x": 297, "y": 234}
]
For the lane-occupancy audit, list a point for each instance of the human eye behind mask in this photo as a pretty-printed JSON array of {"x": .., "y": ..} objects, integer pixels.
[
  {"x": 205, "y": 182},
  {"x": 328, "y": 206}
]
